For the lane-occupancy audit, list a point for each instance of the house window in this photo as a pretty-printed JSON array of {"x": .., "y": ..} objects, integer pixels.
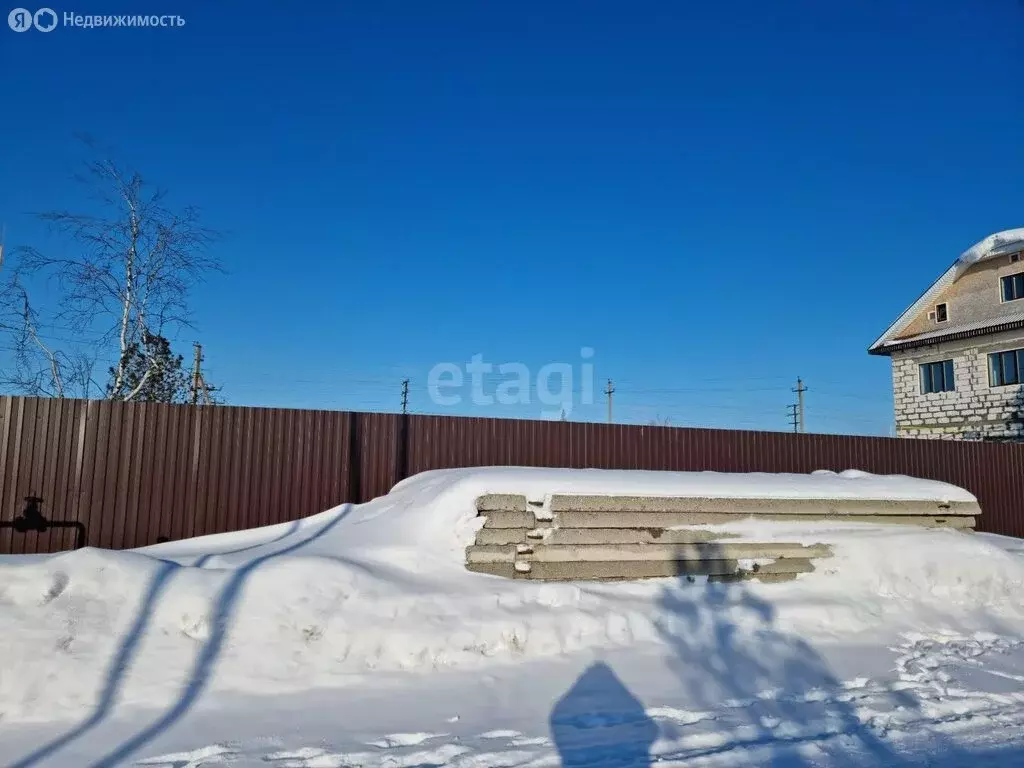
[
  {"x": 941, "y": 313},
  {"x": 1015, "y": 257},
  {"x": 1013, "y": 287},
  {"x": 937, "y": 377},
  {"x": 1005, "y": 368}
]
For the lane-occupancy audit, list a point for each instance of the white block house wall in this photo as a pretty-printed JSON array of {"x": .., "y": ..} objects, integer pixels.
[{"x": 975, "y": 410}]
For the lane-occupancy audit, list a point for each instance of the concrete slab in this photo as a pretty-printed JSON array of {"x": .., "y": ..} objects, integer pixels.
[
  {"x": 695, "y": 553},
  {"x": 636, "y": 570},
  {"x": 599, "y": 536},
  {"x": 572, "y": 503},
  {"x": 503, "y": 502},
  {"x": 490, "y": 553},
  {"x": 671, "y": 552},
  {"x": 518, "y": 519},
  {"x": 682, "y": 519}
]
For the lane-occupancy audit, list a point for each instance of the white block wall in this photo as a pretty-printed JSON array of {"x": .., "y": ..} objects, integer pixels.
[{"x": 975, "y": 411}]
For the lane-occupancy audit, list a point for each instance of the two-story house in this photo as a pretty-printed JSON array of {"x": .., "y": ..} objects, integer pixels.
[{"x": 958, "y": 351}]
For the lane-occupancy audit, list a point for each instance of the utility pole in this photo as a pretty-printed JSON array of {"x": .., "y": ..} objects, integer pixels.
[
  {"x": 800, "y": 389},
  {"x": 402, "y": 443},
  {"x": 793, "y": 416},
  {"x": 197, "y": 360},
  {"x": 199, "y": 384},
  {"x": 609, "y": 390}
]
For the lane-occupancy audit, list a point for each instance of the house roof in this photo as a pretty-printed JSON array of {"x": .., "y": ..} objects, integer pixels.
[
  {"x": 965, "y": 331},
  {"x": 998, "y": 244}
]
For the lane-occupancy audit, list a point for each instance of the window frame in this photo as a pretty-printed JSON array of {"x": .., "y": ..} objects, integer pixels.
[
  {"x": 995, "y": 375},
  {"x": 947, "y": 372},
  {"x": 1002, "y": 290},
  {"x": 945, "y": 305}
]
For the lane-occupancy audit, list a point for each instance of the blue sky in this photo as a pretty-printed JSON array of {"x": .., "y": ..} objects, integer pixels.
[{"x": 715, "y": 197}]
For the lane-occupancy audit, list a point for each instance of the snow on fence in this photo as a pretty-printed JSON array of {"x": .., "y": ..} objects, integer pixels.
[{"x": 125, "y": 475}]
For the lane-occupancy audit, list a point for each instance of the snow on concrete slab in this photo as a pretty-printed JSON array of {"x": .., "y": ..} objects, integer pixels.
[{"x": 538, "y": 483}]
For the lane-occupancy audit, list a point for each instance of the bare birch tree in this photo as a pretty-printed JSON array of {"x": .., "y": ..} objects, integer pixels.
[
  {"x": 126, "y": 277},
  {"x": 39, "y": 367}
]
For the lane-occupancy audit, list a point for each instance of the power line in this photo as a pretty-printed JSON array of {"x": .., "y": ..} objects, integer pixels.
[
  {"x": 719, "y": 380},
  {"x": 689, "y": 390},
  {"x": 849, "y": 396}
]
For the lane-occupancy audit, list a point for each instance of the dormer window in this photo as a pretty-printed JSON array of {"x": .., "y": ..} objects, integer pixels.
[{"x": 941, "y": 313}]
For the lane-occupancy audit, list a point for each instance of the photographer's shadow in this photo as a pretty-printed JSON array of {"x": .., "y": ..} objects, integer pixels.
[{"x": 599, "y": 722}]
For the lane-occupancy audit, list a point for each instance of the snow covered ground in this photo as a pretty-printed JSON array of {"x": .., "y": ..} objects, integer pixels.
[{"x": 357, "y": 638}]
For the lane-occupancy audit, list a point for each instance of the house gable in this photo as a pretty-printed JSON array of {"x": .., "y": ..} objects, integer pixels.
[
  {"x": 970, "y": 290},
  {"x": 972, "y": 298}
]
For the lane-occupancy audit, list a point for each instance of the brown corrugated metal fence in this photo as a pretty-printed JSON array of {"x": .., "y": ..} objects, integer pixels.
[{"x": 126, "y": 475}]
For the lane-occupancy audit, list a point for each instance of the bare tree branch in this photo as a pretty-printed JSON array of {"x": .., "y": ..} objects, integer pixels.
[
  {"x": 39, "y": 369},
  {"x": 128, "y": 273},
  {"x": 55, "y": 372},
  {"x": 142, "y": 383}
]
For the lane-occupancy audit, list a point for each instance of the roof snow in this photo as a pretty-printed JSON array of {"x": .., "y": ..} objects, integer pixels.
[{"x": 1000, "y": 244}]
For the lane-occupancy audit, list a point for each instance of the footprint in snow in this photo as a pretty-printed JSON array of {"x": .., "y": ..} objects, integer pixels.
[
  {"x": 405, "y": 740},
  {"x": 195, "y": 758},
  {"x": 58, "y": 583},
  {"x": 195, "y": 628},
  {"x": 679, "y": 716},
  {"x": 315, "y": 757},
  {"x": 588, "y": 720},
  {"x": 499, "y": 734}
]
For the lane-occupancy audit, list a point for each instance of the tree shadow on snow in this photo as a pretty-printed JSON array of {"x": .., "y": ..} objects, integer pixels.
[
  {"x": 599, "y": 722},
  {"x": 203, "y": 666},
  {"x": 117, "y": 670},
  {"x": 766, "y": 689},
  {"x": 749, "y": 686},
  {"x": 205, "y": 661},
  {"x": 202, "y": 560}
]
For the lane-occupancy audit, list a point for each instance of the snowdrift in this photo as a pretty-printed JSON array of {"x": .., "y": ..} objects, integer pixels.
[{"x": 383, "y": 587}]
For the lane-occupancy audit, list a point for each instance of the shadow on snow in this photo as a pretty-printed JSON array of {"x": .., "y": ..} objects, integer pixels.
[
  {"x": 733, "y": 660},
  {"x": 203, "y": 666},
  {"x": 761, "y": 695},
  {"x": 599, "y": 722}
]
